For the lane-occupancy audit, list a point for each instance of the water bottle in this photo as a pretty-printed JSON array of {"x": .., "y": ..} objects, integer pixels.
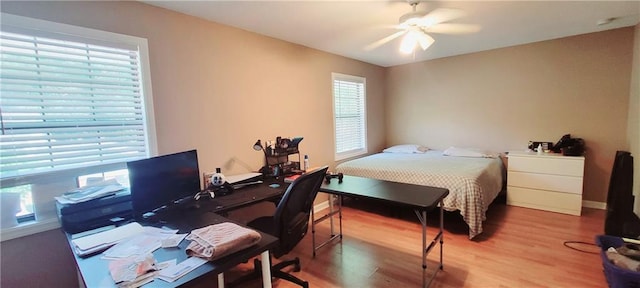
[{"x": 306, "y": 163}]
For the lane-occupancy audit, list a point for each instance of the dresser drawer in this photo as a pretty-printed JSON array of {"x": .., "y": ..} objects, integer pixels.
[
  {"x": 545, "y": 200},
  {"x": 559, "y": 183},
  {"x": 548, "y": 165}
]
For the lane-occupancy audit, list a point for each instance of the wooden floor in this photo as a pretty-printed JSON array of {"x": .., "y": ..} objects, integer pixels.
[{"x": 520, "y": 247}]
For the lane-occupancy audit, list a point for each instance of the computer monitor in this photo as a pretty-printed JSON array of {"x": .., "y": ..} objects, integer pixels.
[{"x": 160, "y": 182}]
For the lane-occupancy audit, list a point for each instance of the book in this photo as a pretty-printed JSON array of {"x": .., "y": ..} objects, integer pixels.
[{"x": 290, "y": 179}]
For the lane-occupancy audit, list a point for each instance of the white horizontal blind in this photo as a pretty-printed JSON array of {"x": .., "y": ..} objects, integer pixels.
[
  {"x": 67, "y": 104},
  {"x": 349, "y": 112}
]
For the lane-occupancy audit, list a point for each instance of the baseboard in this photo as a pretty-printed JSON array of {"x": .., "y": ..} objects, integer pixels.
[
  {"x": 594, "y": 204},
  {"x": 321, "y": 206}
]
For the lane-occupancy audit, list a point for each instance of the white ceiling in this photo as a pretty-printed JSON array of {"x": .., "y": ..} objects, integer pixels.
[{"x": 346, "y": 27}]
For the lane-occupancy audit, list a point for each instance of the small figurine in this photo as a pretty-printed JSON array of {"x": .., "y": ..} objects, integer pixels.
[{"x": 219, "y": 184}]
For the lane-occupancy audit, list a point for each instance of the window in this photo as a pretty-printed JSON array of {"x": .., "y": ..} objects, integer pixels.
[
  {"x": 72, "y": 99},
  {"x": 349, "y": 108}
]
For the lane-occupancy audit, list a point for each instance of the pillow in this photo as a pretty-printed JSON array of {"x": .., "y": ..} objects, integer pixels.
[
  {"x": 460, "y": 152},
  {"x": 406, "y": 148}
]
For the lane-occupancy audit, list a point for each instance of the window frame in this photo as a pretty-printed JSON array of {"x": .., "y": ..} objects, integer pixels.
[
  {"x": 361, "y": 150},
  {"x": 64, "y": 180}
]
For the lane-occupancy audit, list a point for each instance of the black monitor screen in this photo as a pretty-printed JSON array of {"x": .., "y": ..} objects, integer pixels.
[{"x": 160, "y": 181}]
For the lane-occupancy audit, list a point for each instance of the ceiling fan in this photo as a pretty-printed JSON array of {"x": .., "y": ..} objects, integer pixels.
[{"x": 416, "y": 25}]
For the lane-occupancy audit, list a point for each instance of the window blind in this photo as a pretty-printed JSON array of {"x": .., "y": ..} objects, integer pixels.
[
  {"x": 349, "y": 113},
  {"x": 67, "y": 104}
]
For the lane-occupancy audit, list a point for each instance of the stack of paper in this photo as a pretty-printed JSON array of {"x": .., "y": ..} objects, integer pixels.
[
  {"x": 140, "y": 244},
  {"x": 103, "y": 240},
  {"x": 89, "y": 192},
  {"x": 146, "y": 242}
]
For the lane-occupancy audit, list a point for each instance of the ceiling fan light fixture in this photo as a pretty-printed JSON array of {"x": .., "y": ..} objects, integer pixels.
[
  {"x": 409, "y": 42},
  {"x": 413, "y": 38},
  {"x": 425, "y": 41},
  {"x": 417, "y": 27}
]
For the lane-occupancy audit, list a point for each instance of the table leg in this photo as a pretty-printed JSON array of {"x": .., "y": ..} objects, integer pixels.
[
  {"x": 331, "y": 212},
  {"x": 340, "y": 214},
  {"x": 441, "y": 232},
  {"x": 313, "y": 230},
  {"x": 422, "y": 216},
  {"x": 424, "y": 240},
  {"x": 221, "y": 280},
  {"x": 329, "y": 215},
  {"x": 266, "y": 269}
]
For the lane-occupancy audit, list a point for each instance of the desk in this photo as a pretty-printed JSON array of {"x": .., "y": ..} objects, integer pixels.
[
  {"x": 417, "y": 197},
  {"x": 94, "y": 272},
  {"x": 242, "y": 197}
]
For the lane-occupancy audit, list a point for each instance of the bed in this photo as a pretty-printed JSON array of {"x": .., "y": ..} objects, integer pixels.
[{"x": 473, "y": 181}]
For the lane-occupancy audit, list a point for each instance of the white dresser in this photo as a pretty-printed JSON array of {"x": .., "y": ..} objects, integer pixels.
[{"x": 548, "y": 181}]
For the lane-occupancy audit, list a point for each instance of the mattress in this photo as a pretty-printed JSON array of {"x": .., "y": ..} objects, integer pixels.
[{"x": 473, "y": 183}]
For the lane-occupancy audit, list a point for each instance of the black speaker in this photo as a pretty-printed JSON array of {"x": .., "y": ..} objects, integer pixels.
[{"x": 620, "y": 219}]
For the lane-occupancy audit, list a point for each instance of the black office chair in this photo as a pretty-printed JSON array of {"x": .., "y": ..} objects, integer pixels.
[{"x": 289, "y": 223}]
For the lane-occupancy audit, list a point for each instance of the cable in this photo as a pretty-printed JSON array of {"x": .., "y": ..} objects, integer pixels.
[{"x": 566, "y": 244}]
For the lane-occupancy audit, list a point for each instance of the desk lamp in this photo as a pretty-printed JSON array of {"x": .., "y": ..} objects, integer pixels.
[{"x": 258, "y": 146}]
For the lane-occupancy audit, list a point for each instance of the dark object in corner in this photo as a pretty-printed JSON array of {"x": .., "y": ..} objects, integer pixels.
[
  {"x": 620, "y": 219},
  {"x": 329, "y": 176}
]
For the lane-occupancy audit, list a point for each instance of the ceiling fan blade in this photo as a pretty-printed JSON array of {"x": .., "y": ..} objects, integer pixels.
[
  {"x": 441, "y": 15},
  {"x": 383, "y": 41},
  {"x": 453, "y": 28}
]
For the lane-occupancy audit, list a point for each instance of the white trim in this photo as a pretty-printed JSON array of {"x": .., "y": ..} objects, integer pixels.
[
  {"x": 60, "y": 28},
  {"x": 29, "y": 229},
  {"x": 365, "y": 149},
  {"x": 321, "y": 206},
  {"x": 594, "y": 204}
]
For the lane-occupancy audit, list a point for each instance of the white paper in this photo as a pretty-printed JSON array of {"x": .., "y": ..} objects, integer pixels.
[
  {"x": 89, "y": 192},
  {"x": 240, "y": 177},
  {"x": 173, "y": 273},
  {"x": 108, "y": 237},
  {"x": 166, "y": 264},
  {"x": 159, "y": 231},
  {"x": 137, "y": 245},
  {"x": 173, "y": 240}
]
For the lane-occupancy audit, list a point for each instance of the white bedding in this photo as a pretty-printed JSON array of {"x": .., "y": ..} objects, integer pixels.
[{"x": 473, "y": 183}]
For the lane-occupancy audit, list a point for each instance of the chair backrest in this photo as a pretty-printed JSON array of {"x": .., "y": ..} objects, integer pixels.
[{"x": 292, "y": 214}]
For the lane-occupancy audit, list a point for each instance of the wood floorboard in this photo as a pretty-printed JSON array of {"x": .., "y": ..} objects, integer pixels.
[{"x": 520, "y": 247}]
